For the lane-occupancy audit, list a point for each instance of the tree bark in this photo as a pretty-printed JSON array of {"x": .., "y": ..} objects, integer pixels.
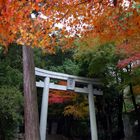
[
  {"x": 133, "y": 97},
  {"x": 30, "y": 96},
  {"x": 2, "y": 135},
  {"x": 120, "y": 119}
]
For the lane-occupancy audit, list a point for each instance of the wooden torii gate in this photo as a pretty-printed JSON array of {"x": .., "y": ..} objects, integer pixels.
[{"x": 72, "y": 84}]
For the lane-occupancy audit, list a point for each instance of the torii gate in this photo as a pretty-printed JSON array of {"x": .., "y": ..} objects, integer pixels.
[{"x": 72, "y": 82}]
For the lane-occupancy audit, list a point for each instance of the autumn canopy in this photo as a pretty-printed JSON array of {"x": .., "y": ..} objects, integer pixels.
[{"x": 116, "y": 20}]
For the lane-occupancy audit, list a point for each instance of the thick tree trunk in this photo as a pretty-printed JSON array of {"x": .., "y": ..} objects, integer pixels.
[{"x": 30, "y": 96}]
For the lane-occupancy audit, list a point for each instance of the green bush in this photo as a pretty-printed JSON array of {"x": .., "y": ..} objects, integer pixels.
[{"x": 11, "y": 102}]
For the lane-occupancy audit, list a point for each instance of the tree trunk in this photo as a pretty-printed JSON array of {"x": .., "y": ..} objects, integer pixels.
[
  {"x": 109, "y": 126},
  {"x": 120, "y": 119},
  {"x": 2, "y": 135},
  {"x": 30, "y": 96},
  {"x": 107, "y": 121},
  {"x": 133, "y": 98}
]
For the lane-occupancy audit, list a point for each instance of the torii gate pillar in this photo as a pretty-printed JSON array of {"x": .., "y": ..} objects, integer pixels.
[
  {"x": 44, "y": 109},
  {"x": 93, "y": 125}
]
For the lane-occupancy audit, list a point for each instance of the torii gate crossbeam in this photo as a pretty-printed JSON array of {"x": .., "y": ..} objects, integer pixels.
[{"x": 71, "y": 85}]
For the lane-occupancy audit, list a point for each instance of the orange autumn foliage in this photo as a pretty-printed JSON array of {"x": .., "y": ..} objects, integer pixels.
[
  {"x": 59, "y": 96},
  {"x": 136, "y": 90},
  {"x": 79, "y": 109},
  {"x": 105, "y": 19},
  {"x": 16, "y": 24}
]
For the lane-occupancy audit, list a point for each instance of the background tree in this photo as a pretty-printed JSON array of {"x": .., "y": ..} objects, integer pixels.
[
  {"x": 11, "y": 107},
  {"x": 102, "y": 61},
  {"x": 11, "y": 66},
  {"x": 10, "y": 112}
]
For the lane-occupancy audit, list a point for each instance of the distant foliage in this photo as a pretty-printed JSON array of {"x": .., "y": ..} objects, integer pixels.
[
  {"x": 11, "y": 66},
  {"x": 11, "y": 99},
  {"x": 11, "y": 103},
  {"x": 79, "y": 108}
]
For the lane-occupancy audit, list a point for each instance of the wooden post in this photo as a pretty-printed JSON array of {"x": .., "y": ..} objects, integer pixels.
[
  {"x": 93, "y": 125},
  {"x": 30, "y": 96},
  {"x": 44, "y": 109}
]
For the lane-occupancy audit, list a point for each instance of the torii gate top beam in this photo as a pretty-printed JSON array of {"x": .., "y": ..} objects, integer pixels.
[
  {"x": 72, "y": 82},
  {"x": 61, "y": 76}
]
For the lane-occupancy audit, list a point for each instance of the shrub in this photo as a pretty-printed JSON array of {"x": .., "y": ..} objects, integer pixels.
[{"x": 11, "y": 102}]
